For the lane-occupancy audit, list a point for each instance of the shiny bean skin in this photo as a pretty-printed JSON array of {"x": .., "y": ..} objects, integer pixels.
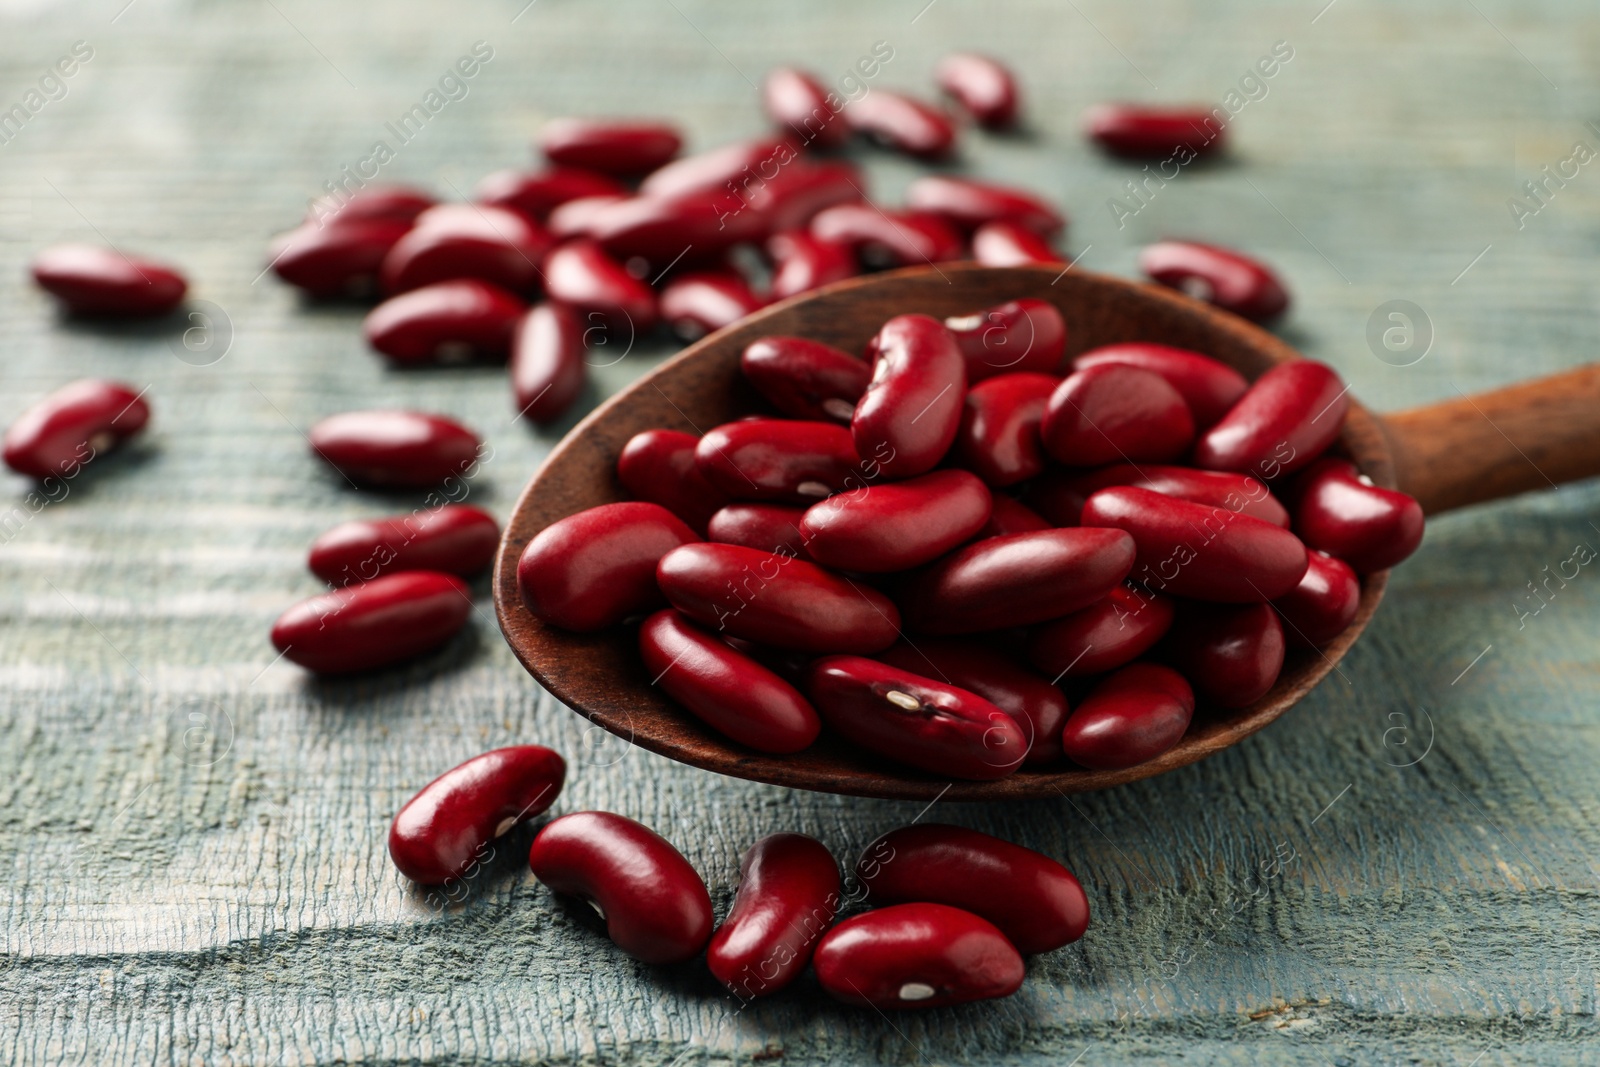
[
  {"x": 1132, "y": 716},
  {"x": 967, "y": 204},
  {"x": 797, "y": 103},
  {"x": 983, "y": 86},
  {"x": 999, "y": 434},
  {"x": 728, "y": 691},
  {"x": 659, "y": 466},
  {"x": 547, "y": 366},
  {"x": 446, "y": 322},
  {"x": 61, "y": 433},
  {"x": 494, "y": 244},
  {"x": 1115, "y": 413},
  {"x": 769, "y": 527},
  {"x": 1016, "y": 581},
  {"x": 1029, "y": 897},
  {"x": 1008, "y": 516},
  {"x": 537, "y": 194},
  {"x": 894, "y": 526},
  {"x": 776, "y": 600},
  {"x": 1199, "y": 550},
  {"x": 801, "y": 263},
  {"x": 917, "y": 956},
  {"x": 385, "y": 203},
  {"x": 611, "y": 146},
  {"x": 657, "y": 229},
  {"x": 1323, "y": 605},
  {"x": 337, "y": 259},
  {"x": 789, "y": 892},
  {"x": 1220, "y": 276},
  {"x": 781, "y": 460},
  {"x": 1006, "y": 244},
  {"x": 740, "y": 162},
  {"x": 888, "y": 238},
  {"x": 703, "y": 302},
  {"x": 1288, "y": 417},
  {"x": 1223, "y": 489},
  {"x": 1103, "y": 636},
  {"x": 1367, "y": 526},
  {"x": 806, "y": 379},
  {"x": 901, "y": 715},
  {"x": 903, "y": 123},
  {"x": 455, "y": 539},
  {"x": 373, "y": 624},
  {"x": 580, "y": 275},
  {"x": 1230, "y": 654},
  {"x": 800, "y": 191},
  {"x": 442, "y": 832},
  {"x": 1037, "y": 706},
  {"x": 908, "y": 417},
  {"x": 592, "y": 570},
  {"x": 1017, "y": 336},
  {"x": 1144, "y": 132},
  {"x": 655, "y": 905},
  {"x": 579, "y": 218},
  {"x": 395, "y": 449},
  {"x": 90, "y": 280},
  {"x": 1209, "y": 386}
]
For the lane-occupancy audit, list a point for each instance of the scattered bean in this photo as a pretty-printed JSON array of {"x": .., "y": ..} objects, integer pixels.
[
  {"x": 90, "y": 280},
  {"x": 493, "y": 244},
  {"x": 547, "y": 367},
  {"x": 374, "y": 624},
  {"x": 58, "y": 435},
  {"x": 446, "y": 322},
  {"x": 610, "y": 146},
  {"x": 917, "y": 956},
  {"x": 982, "y": 85},
  {"x": 788, "y": 895},
  {"x": 395, "y": 449},
  {"x": 455, "y": 539},
  {"x": 1220, "y": 276}
]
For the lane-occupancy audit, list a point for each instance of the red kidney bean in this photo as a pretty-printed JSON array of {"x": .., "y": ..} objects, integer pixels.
[
  {"x": 967, "y": 204},
  {"x": 611, "y": 146},
  {"x": 801, "y": 190},
  {"x": 917, "y": 956},
  {"x": 373, "y": 624},
  {"x": 1103, "y": 636},
  {"x": 903, "y": 123},
  {"x": 1288, "y": 418},
  {"x": 442, "y": 831},
  {"x": 776, "y": 459},
  {"x": 798, "y": 103},
  {"x": 337, "y": 259},
  {"x": 655, "y": 906},
  {"x": 896, "y": 525},
  {"x": 1323, "y": 605},
  {"x": 659, "y": 466},
  {"x": 579, "y": 218},
  {"x": 455, "y": 539},
  {"x": 395, "y": 449},
  {"x": 728, "y": 691},
  {"x": 908, "y": 417},
  {"x": 375, "y": 203},
  {"x": 1199, "y": 550},
  {"x": 981, "y": 85},
  {"x": 1112, "y": 413},
  {"x": 1017, "y": 581},
  {"x": 769, "y": 527},
  {"x": 1344, "y": 514},
  {"x": 536, "y": 195},
  {"x": 1223, "y": 489},
  {"x": 660, "y": 229},
  {"x": 446, "y": 322},
  {"x": 1132, "y": 716},
  {"x": 1230, "y": 654},
  {"x": 580, "y": 275},
  {"x": 739, "y": 163},
  {"x": 804, "y": 378},
  {"x": 593, "y": 569},
  {"x": 1037, "y": 706},
  {"x": 1006, "y": 244},
  {"x": 1017, "y": 336},
  {"x": 89, "y": 280},
  {"x": 71, "y": 426},
  {"x": 1209, "y": 386},
  {"x": 802, "y": 263},
  {"x": 547, "y": 367},
  {"x": 1154, "y": 132},
  {"x": 703, "y": 302},
  {"x": 776, "y": 600},
  {"x": 999, "y": 434},
  {"x": 450, "y": 241},
  {"x": 927, "y": 724},
  {"x": 1029, "y": 897},
  {"x": 1007, "y": 516},
  {"x": 888, "y": 238},
  {"x": 788, "y": 895},
  {"x": 1220, "y": 276}
]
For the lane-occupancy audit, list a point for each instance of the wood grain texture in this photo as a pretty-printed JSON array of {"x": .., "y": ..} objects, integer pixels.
[{"x": 1402, "y": 869}]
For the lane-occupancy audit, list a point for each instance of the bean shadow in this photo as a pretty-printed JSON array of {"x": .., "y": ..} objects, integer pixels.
[{"x": 499, "y": 862}]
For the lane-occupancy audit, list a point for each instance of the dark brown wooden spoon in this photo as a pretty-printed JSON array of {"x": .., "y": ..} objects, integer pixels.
[{"x": 1449, "y": 455}]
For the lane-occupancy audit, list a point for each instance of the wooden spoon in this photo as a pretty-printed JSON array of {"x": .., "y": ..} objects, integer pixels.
[{"x": 1447, "y": 456}]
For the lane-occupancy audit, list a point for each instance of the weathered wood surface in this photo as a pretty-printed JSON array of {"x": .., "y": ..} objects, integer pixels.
[{"x": 215, "y": 890}]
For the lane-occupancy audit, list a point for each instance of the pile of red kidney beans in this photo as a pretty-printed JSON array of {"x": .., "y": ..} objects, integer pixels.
[{"x": 956, "y": 550}]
